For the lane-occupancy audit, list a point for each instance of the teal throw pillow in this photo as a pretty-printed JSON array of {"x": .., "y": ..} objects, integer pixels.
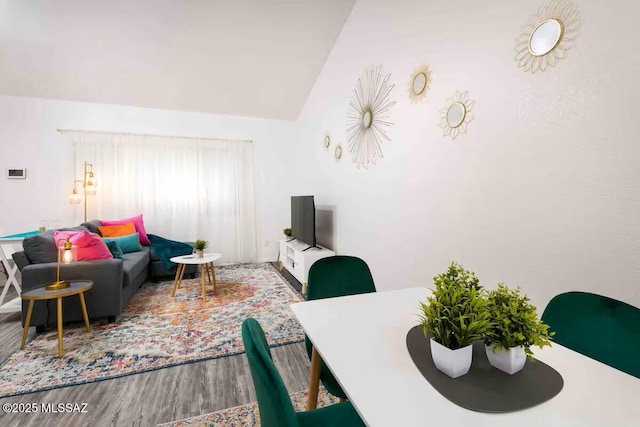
[
  {"x": 114, "y": 248},
  {"x": 129, "y": 243}
]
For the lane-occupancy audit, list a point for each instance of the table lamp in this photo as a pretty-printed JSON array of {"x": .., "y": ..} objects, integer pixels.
[{"x": 66, "y": 254}]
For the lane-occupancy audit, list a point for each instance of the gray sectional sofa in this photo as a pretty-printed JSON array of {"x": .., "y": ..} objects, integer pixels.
[{"x": 114, "y": 280}]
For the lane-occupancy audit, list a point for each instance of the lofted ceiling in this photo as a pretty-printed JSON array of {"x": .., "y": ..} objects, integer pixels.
[{"x": 257, "y": 58}]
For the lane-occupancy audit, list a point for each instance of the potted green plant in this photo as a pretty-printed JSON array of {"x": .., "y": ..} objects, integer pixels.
[
  {"x": 200, "y": 246},
  {"x": 287, "y": 233},
  {"x": 515, "y": 327},
  {"x": 454, "y": 316}
]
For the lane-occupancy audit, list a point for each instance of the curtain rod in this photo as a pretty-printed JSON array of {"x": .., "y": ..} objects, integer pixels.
[{"x": 152, "y": 135}]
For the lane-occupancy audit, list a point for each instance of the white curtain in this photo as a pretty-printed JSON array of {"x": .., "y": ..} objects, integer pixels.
[{"x": 186, "y": 188}]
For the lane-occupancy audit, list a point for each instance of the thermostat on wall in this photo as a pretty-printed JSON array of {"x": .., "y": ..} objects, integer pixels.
[{"x": 16, "y": 173}]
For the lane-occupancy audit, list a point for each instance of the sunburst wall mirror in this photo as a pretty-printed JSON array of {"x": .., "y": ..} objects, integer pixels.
[
  {"x": 548, "y": 35},
  {"x": 419, "y": 83},
  {"x": 367, "y": 116},
  {"x": 456, "y": 115}
]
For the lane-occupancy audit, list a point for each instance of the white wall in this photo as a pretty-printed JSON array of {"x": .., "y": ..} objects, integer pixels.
[
  {"x": 543, "y": 192},
  {"x": 28, "y": 139},
  {"x": 243, "y": 57}
]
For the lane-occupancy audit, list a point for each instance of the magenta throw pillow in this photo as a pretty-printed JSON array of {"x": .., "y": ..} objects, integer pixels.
[
  {"x": 89, "y": 246},
  {"x": 138, "y": 224}
]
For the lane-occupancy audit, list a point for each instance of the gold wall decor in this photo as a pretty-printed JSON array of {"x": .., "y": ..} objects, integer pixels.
[
  {"x": 456, "y": 115},
  {"x": 548, "y": 35},
  {"x": 367, "y": 116},
  {"x": 419, "y": 83},
  {"x": 338, "y": 151},
  {"x": 327, "y": 140}
]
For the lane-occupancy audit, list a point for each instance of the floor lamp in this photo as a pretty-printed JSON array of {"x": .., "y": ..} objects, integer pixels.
[{"x": 89, "y": 187}]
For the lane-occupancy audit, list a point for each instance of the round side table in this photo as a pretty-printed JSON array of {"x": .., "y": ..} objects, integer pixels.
[
  {"x": 77, "y": 287},
  {"x": 206, "y": 265}
]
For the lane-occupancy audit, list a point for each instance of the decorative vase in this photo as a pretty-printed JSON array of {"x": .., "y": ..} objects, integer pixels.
[
  {"x": 507, "y": 360},
  {"x": 454, "y": 363},
  {"x": 199, "y": 253}
]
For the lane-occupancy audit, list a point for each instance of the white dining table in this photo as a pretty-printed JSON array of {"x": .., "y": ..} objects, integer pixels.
[{"x": 362, "y": 339}]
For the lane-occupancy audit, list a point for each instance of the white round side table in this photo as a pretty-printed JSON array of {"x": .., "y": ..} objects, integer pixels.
[{"x": 206, "y": 265}]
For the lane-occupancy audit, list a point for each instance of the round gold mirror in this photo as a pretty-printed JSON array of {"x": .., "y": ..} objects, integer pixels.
[
  {"x": 338, "y": 152},
  {"x": 455, "y": 114},
  {"x": 419, "y": 83},
  {"x": 367, "y": 119},
  {"x": 327, "y": 141},
  {"x": 545, "y": 37},
  {"x": 548, "y": 36}
]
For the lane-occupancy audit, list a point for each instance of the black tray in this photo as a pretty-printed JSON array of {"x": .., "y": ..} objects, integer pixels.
[{"x": 485, "y": 388}]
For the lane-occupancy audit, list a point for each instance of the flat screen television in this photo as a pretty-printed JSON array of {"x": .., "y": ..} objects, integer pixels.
[{"x": 303, "y": 219}]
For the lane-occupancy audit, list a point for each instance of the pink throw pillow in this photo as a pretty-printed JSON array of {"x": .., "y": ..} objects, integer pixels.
[
  {"x": 138, "y": 224},
  {"x": 89, "y": 245}
]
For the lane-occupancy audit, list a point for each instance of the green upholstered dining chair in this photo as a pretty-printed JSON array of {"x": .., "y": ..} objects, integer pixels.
[
  {"x": 274, "y": 402},
  {"x": 336, "y": 276},
  {"x": 599, "y": 327}
]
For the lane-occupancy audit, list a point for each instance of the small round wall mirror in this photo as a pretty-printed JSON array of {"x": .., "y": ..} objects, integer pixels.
[
  {"x": 548, "y": 36},
  {"x": 367, "y": 119},
  {"x": 327, "y": 141},
  {"x": 545, "y": 37},
  {"x": 338, "y": 152},
  {"x": 419, "y": 83},
  {"x": 455, "y": 114}
]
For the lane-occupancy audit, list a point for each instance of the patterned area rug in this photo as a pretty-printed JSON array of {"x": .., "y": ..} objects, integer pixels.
[
  {"x": 157, "y": 331},
  {"x": 248, "y": 415}
]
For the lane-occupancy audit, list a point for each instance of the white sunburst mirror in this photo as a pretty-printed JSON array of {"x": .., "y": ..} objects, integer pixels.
[
  {"x": 367, "y": 117},
  {"x": 548, "y": 35},
  {"x": 456, "y": 115},
  {"x": 419, "y": 83}
]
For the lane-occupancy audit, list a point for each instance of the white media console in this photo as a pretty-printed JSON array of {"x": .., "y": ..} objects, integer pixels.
[{"x": 297, "y": 261}]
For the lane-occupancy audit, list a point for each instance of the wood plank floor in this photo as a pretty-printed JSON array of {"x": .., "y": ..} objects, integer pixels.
[{"x": 154, "y": 397}]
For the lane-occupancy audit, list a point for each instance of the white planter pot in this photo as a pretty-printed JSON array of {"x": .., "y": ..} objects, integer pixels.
[
  {"x": 509, "y": 361},
  {"x": 199, "y": 253},
  {"x": 454, "y": 363}
]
